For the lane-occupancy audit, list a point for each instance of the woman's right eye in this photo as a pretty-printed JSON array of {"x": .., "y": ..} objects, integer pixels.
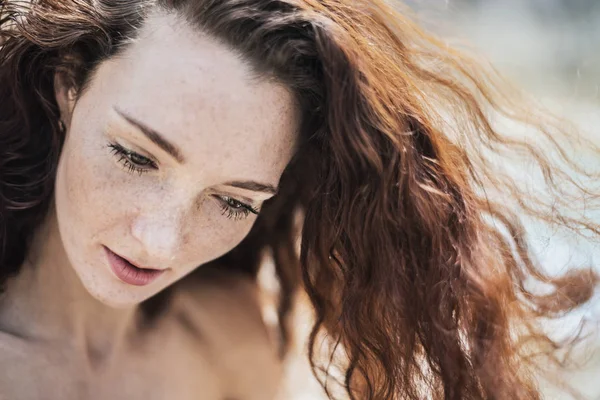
[{"x": 131, "y": 160}]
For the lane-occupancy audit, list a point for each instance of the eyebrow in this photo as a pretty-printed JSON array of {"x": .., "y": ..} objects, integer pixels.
[
  {"x": 254, "y": 186},
  {"x": 154, "y": 136}
]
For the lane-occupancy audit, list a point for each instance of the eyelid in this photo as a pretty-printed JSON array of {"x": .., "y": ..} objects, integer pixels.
[
  {"x": 245, "y": 202},
  {"x": 135, "y": 149},
  {"x": 240, "y": 198},
  {"x": 129, "y": 145},
  {"x": 238, "y": 193},
  {"x": 128, "y": 152}
]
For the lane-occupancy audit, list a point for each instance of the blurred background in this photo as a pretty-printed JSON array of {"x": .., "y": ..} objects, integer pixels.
[{"x": 552, "y": 49}]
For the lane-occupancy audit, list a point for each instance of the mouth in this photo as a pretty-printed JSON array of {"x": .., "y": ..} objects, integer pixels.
[{"x": 130, "y": 273}]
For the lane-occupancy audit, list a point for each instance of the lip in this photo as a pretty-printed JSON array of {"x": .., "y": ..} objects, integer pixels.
[{"x": 129, "y": 273}]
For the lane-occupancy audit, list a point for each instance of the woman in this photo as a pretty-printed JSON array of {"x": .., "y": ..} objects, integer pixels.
[{"x": 152, "y": 151}]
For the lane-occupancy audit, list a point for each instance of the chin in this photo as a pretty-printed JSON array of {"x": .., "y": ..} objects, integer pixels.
[
  {"x": 122, "y": 301},
  {"x": 116, "y": 294}
]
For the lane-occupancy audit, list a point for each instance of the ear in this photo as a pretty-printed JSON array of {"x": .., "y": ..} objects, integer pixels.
[{"x": 65, "y": 97}]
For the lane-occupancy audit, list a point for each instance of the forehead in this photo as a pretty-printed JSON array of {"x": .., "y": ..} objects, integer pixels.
[{"x": 201, "y": 96}]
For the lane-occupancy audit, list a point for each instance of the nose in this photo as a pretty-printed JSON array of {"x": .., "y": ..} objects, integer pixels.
[{"x": 162, "y": 231}]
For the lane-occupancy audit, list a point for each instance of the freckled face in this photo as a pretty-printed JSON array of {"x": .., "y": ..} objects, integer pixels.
[{"x": 117, "y": 188}]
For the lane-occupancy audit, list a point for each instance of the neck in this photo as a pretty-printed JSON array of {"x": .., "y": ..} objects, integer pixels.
[{"x": 47, "y": 302}]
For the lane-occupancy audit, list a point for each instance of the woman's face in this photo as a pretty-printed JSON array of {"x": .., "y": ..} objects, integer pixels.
[{"x": 169, "y": 154}]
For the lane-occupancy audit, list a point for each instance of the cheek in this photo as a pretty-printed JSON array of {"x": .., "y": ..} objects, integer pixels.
[
  {"x": 86, "y": 188},
  {"x": 213, "y": 234},
  {"x": 72, "y": 184}
]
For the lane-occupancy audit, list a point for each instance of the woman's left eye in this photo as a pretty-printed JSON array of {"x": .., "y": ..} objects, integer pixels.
[
  {"x": 235, "y": 209},
  {"x": 131, "y": 160}
]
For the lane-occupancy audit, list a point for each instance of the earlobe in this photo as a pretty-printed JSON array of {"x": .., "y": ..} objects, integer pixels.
[{"x": 65, "y": 98}]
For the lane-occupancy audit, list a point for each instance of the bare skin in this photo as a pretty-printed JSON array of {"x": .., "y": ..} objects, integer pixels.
[
  {"x": 71, "y": 328},
  {"x": 211, "y": 344}
]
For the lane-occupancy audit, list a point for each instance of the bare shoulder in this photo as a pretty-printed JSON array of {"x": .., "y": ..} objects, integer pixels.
[
  {"x": 223, "y": 308},
  {"x": 19, "y": 360},
  {"x": 228, "y": 300},
  {"x": 13, "y": 353}
]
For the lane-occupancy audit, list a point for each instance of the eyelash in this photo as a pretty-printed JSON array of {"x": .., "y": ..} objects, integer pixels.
[
  {"x": 126, "y": 157},
  {"x": 234, "y": 209},
  {"x": 231, "y": 208}
]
